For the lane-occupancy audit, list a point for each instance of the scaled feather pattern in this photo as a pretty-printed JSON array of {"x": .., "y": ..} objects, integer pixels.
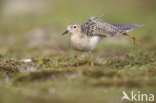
[{"x": 93, "y": 27}]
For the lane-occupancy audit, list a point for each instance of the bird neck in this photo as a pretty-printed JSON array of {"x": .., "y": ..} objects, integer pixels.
[{"x": 75, "y": 36}]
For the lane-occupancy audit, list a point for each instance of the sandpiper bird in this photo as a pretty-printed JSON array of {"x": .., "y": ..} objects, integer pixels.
[{"x": 85, "y": 37}]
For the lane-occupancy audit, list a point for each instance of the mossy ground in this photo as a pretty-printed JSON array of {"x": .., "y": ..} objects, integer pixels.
[{"x": 59, "y": 74}]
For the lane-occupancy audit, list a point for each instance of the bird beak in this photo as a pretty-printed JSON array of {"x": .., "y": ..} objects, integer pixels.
[{"x": 65, "y": 32}]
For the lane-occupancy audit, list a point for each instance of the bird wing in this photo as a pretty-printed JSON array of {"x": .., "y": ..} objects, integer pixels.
[{"x": 94, "y": 27}]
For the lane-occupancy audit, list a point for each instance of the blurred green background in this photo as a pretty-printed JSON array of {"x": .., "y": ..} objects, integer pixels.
[
  {"x": 27, "y": 24},
  {"x": 33, "y": 28}
]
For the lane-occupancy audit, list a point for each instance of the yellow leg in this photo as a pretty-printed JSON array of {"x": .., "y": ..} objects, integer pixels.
[
  {"x": 91, "y": 60},
  {"x": 135, "y": 38}
]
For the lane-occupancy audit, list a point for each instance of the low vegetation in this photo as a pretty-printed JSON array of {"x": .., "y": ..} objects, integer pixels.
[{"x": 56, "y": 73}]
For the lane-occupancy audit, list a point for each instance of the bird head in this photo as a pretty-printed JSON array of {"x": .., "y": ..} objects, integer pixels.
[{"x": 73, "y": 28}]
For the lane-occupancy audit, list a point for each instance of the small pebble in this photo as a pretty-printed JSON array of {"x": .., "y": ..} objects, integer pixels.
[{"x": 27, "y": 60}]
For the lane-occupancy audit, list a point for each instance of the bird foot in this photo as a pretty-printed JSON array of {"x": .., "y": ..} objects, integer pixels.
[{"x": 134, "y": 38}]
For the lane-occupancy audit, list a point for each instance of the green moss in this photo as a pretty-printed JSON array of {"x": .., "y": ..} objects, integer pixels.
[{"x": 9, "y": 67}]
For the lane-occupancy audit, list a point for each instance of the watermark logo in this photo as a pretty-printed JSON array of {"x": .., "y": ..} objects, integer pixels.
[
  {"x": 138, "y": 97},
  {"x": 125, "y": 96}
]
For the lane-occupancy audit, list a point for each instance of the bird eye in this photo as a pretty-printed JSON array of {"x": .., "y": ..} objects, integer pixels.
[{"x": 74, "y": 26}]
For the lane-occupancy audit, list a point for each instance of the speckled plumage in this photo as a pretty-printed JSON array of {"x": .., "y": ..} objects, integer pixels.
[
  {"x": 85, "y": 37},
  {"x": 94, "y": 27}
]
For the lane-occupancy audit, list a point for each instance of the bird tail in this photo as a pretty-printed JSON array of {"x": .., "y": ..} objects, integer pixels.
[
  {"x": 128, "y": 27},
  {"x": 124, "y": 28}
]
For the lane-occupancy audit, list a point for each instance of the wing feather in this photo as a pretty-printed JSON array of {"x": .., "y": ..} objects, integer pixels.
[{"x": 94, "y": 27}]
